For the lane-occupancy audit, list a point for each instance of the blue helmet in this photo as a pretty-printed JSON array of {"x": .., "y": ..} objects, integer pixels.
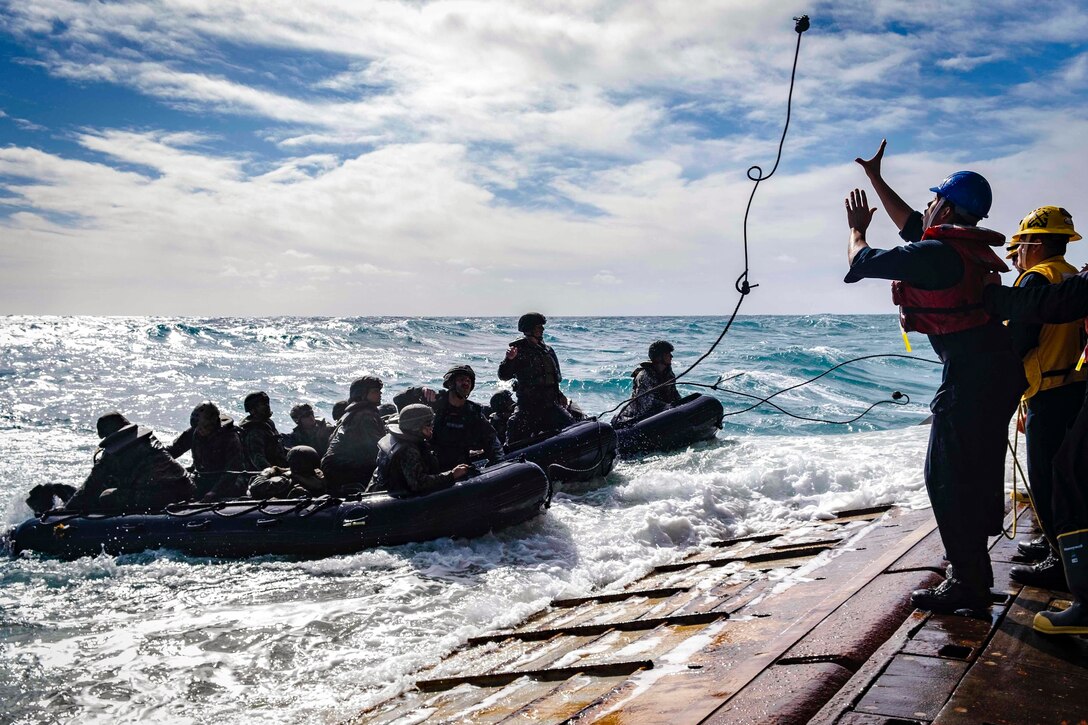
[{"x": 967, "y": 191}]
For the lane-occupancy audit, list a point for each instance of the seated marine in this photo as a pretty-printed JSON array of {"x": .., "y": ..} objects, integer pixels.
[
  {"x": 353, "y": 448},
  {"x": 338, "y": 409},
  {"x": 654, "y": 388},
  {"x": 217, "y": 453},
  {"x": 502, "y": 407},
  {"x": 261, "y": 444},
  {"x": 461, "y": 430},
  {"x": 301, "y": 479},
  {"x": 309, "y": 430},
  {"x": 387, "y": 410},
  {"x": 406, "y": 464},
  {"x": 132, "y": 472}
]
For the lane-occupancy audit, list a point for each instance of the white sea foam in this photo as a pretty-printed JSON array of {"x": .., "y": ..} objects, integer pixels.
[{"x": 172, "y": 638}]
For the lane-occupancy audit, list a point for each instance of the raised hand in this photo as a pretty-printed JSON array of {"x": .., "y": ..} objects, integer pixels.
[
  {"x": 858, "y": 213},
  {"x": 872, "y": 165}
]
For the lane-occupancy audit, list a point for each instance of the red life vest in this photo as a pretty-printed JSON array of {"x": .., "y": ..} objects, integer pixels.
[{"x": 957, "y": 308}]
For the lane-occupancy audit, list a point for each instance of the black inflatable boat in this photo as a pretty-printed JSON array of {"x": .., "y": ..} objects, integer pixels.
[
  {"x": 500, "y": 496},
  {"x": 579, "y": 452},
  {"x": 695, "y": 418}
]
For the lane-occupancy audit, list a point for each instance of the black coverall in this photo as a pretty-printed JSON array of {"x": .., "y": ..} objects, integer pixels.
[{"x": 982, "y": 381}]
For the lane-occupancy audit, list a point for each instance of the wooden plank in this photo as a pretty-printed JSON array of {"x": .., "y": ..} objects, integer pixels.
[
  {"x": 950, "y": 636},
  {"x": 1023, "y": 676},
  {"x": 837, "y": 709},
  {"x": 695, "y": 685},
  {"x": 565, "y": 701},
  {"x": 753, "y": 558},
  {"x": 855, "y": 630},
  {"x": 591, "y": 629},
  {"x": 552, "y": 674},
  {"x": 783, "y": 695},
  {"x": 619, "y": 596},
  {"x": 912, "y": 687}
]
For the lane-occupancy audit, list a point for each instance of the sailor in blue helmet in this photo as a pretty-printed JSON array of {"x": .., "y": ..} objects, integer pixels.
[
  {"x": 542, "y": 407},
  {"x": 938, "y": 281}
]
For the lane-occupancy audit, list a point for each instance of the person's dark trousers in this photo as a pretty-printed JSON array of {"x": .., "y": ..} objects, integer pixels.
[
  {"x": 1050, "y": 416},
  {"x": 528, "y": 422},
  {"x": 1070, "y": 491},
  {"x": 965, "y": 464}
]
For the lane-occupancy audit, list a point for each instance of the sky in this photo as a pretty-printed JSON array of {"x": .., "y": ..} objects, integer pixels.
[{"x": 468, "y": 157}]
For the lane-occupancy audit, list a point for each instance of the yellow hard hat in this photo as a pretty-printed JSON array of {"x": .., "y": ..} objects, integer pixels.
[
  {"x": 1012, "y": 249},
  {"x": 1047, "y": 220}
]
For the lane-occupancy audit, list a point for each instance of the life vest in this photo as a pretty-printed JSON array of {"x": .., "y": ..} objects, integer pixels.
[
  {"x": 959, "y": 307},
  {"x": 1053, "y": 362}
]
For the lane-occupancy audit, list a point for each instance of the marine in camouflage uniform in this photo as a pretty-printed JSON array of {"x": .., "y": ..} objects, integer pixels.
[
  {"x": 309, "y": 430},
  {"x": 301, "y": 479},
  {"x": 132, "y": 472},
  {"x": 461, "y": 431},
  {"x": 261, "y": 443},
  {"x": 654, "y": 387},
  {"x": 502, "y": 407},
  {"x": 353, "y": 448},
  {"x": 542, "y": 407},
  {"x": 217, "y": 453},
  {"x": 406, "y": 464}
]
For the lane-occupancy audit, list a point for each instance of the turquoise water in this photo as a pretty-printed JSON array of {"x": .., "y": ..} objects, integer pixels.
[{"x": 159, "y": 636}]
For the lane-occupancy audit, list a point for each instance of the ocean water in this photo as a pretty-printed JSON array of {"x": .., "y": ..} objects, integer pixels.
[{"x": 163, "y": 637}]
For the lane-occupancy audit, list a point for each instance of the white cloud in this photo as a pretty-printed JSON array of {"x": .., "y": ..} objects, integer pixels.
[{"x": 545, "y": 142}]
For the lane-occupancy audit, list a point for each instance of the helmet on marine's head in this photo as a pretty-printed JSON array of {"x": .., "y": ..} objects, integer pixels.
[
  {"x": 967, "y": 191},
  {"x": 254, "y": 399},
  {"x": 454, "y": 372},
  {"x": 110, "y": 423},
  {"x": 301, "y": 410},
  {"x": 361, "y": 386},
  {"x": 303, "y": 459},
  {"x": 502, "y": 401},
  {"x": 530, "y": 320},
  {"x": 206, "y": 409},
  {"x": 413, "y": 419},
  {"x": 660, "y": 349}
]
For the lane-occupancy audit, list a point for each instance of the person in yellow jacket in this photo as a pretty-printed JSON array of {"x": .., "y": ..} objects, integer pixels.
[{"x": 1056, "y": 388}]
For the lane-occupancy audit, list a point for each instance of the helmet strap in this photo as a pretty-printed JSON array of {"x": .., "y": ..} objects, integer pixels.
[{"x": 932, "y": 213}]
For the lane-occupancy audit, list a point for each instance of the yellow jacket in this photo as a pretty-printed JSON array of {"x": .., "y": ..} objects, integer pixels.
[{"x": 1053, "y": 363}]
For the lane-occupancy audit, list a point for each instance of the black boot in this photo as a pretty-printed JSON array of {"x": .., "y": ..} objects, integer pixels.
[
  {"x": 1035, "y": 549},
  {"x": 1047, "y": 574},
  {"x": 1074, "y": 620},
  {"x": 953, "y": 596}
]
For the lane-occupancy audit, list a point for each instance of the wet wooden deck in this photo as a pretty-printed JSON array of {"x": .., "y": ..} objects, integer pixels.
[{"x": 810, "y": 625}]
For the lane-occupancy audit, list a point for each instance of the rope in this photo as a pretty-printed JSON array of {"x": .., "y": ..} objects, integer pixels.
[{"x": 755, "y": 174}]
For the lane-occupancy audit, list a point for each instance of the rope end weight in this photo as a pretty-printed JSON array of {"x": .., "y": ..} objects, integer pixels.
[{"x": 802, "y": 24}]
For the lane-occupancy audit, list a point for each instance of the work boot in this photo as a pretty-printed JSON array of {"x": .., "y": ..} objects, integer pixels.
[
  {"x": 953, "y": 596},
  {"x": 1047, "y": 574},
  {"x": 1074, "y": 620},
  {"x": 1035, "y": 549}
]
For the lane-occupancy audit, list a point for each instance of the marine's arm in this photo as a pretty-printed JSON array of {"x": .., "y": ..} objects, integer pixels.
[
  {"x": 1048, "y": 304},
  {"x": 417, "y": 479},
  {"x": 898, "y": 210},
  {"x": 182, "y": 444},
  {"x": 1025, "y": 335},
  {"x": 408, "y": 397},
  {"x": 510, "y": 365}
]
